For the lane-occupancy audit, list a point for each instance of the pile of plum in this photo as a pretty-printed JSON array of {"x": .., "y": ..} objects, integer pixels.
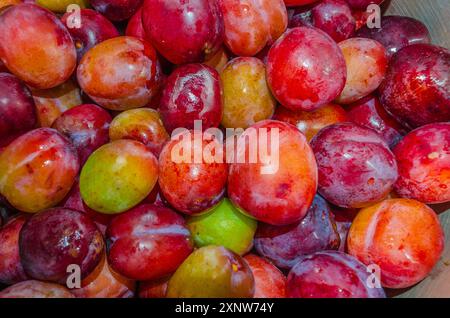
[{"x": 93, "y": 203}]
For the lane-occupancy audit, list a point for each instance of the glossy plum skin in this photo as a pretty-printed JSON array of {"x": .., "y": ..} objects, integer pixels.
[
  {"x": 36, "y": 289},
  {"x": 356, "y": 167},
  {"x": 423, "y": 159},
  {"x": 51, "y": 103},
  {"x": 368, "y": 112},
  {"x": 305, "y": 86},
  {"x": 11, "y": 269},
  {"x": 402, "y": 236},
  {"x": 250, "y": 25},
  {"x": 116, "y": 10},
  {"x": 247, "y": 98},
  {"x": 278, "y": 192},
  {"x": 109, "y": 182},
  {"x": 416, "y": 90},
  {"x": 53, "y": 239},
  {"x": 190, "y": 185},
  {"x": 223, "y": 226},
  {"x": 42, "y": 36},
  {"x": 192, "y": 92},
  {"x": 212, "y": 272},
  {"x": 396, "y": 32},
  {"x": 179, "y": 39},
  {"x": 103, "y": 282},
  {"x": 37, "y": 170},
  {"x": 269, "y": 280},
  {"x": 135, "y": 27},
  {"x": 86, "y": 126},
  {"x": 95, "y": 28},
  {"x": 154, "y": 288},
  {"x": 120, "y": 73},
  {"x": 330, "y": 274},
  {"x": 148, "y": 242},
  {"x": 142, "y": 124},
  {"x": 17, "y": 109},
  {"x": 367, "y": 63},
  {"x": 286, "y": 245},
  {"x": 310, "y": 123}
]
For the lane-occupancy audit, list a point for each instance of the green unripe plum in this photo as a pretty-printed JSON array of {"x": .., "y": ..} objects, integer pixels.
[
  {"x": 118, "y": 176},
  {"x": 223, "y": 226},
  {"x": 212, "y": 272}
]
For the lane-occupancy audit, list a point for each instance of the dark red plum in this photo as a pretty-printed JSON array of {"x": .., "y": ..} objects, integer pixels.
[
  {"x": 362, "y": 4},
  {"x": 148, "y": 242},
  {"x": 192, "y": 92},
  {"x": 423, "y": 158},
  {"x": 87, "y": 126},
  {"x": 116, "y": 10},
  {"x": 331, "y": 274},
  {"x": 17, "y": 109},
  {"x": 356, "y": 167},
  {"x": 368, "y": 112},
  {"x": 335, "y": 18},
  {"x": 95, "y": 28},
  {"x": 11, "y": 269},
  {"x": 54, "y": 239},
  {"x": 183, "y": 31},
  {"x": 285, "y": 245},
  {"x": 135, "y": 27},
  {"x": 416, "y": 90},
  {"x": 396, "y": 32}
]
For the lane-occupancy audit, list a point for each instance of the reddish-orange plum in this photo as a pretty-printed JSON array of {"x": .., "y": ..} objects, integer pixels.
[
  {"x": 52, "y": 240},
  {"x": 310, "y": 123},
  {"x": 416, "y": 90},
  {"x": 193, "y": 173},
  {"x": 192, "y": 92},
  {"x": 250, "y": 25},
  {"x": 305, "y": 69},
  {"x": 36, "y": 289},
  {"x": 116, "y": 10},
  {"x": 285, "y": 245},
  {"x": 86, "y": 126},
  {"x": 269, "y": 280},
  {"x": 423, "y": 159},
  {"x": 11, "y": 269},
  {"x": 402, "y": 236},
  {"x": 120, "y": 73},
  {"x": 43, "y": 37},
  {"x": 37, "y": 170},
  {"x": 154, "y": 288},
  {"x": 330, "y": 274},
  {"x": 367, "y": 62},
  {"x": 368, "y": 112},
  {"x": 183, "y": 31},
  {"x": 278, "y": 189},
  {"x": 356, "y": 167},
  {"x": 148, "y": 242}
]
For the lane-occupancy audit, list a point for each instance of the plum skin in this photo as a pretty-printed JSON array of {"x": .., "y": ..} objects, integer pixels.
[
  {"x": 270, "y": 282},
  {"x": 36, "y": 289}
]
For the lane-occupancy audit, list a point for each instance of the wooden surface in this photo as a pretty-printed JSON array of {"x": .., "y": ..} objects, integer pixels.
[{"x": 436, "y": 16}]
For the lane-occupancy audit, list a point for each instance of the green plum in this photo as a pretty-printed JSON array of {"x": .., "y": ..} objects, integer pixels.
[
  {"x": 212, "y": 272},
  {"x": 118, "y": 176},
  {"x": 224, "y": 226}
]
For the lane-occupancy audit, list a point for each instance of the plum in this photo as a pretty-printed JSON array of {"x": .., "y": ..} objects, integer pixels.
[
  {"x": 362, "y": 4},
  {"x": 330, "y": 274},
  {"x": 269, "y": 281},
  {"x": 109, "y": 181},
  {"x": 147, "y": 242},
  {"x": 247, "y": 98},
  {"x": 305, "y": 69},
  {"x": 42, "y": 37},
  {"x": 60, "y": 6},
  {"x": 154, "y": 288},
  {"x": 223, "y": 226},
  {"x": 212, "y": 272},
  {"x": 135, "y": 27},
  {"x": 423, "y": 159},
  {"x": 416, "y": 90},
  {"x": 285, "y": 245},
  {"x": 192, "y": 92},
  {"x": 356, "y": 167},
  {"x": 278, "y": 189},
  {"x": 401, "y": 236},
  {"x": 52, "y": 240},
  {"x": 37, "y": 170},
  {"x": 116, "y": 10},
  {"x": 36, "y": 289}
]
